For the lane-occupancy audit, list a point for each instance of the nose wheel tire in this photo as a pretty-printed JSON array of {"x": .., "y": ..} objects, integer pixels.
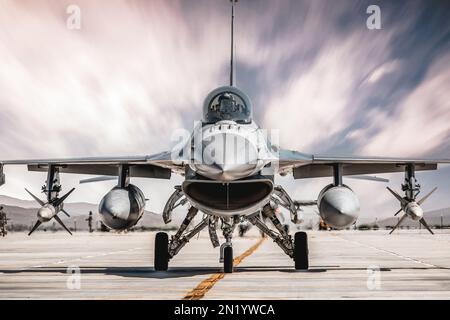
[
  {"x": 161, "y": 251},
  {"x": 228, "y": 259},
  {"x": 301, "y": 251}
]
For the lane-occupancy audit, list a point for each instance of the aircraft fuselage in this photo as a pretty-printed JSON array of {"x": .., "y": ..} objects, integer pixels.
[
  {"x": 227, "y": 160},
  {"x": 229, "y": 151}
]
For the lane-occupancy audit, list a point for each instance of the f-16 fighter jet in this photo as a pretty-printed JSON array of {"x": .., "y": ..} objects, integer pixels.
[{"x": 229, "y": 167}]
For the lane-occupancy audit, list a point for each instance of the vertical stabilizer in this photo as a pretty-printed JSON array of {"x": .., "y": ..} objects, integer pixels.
[{"x": 232, "y": 71}]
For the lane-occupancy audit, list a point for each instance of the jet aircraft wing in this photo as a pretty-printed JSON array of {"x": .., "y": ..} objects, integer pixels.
[
  {"x": 304, "y": 165},
  {"x": 158, "y": 165}
]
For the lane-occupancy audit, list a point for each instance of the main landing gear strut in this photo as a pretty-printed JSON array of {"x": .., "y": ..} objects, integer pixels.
[
  {"x": 297, "y": 248},
  {"x": 166, "y": 250}
]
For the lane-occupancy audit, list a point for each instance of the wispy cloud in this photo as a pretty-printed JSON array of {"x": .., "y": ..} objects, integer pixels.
[{"x": 419, "y": 124}]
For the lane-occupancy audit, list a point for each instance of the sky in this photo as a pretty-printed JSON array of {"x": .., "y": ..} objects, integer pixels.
[{"x": 136, "y": 71}]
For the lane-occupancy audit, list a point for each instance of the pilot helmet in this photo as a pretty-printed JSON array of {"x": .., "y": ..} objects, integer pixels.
[{"x": 226, "y": 103}]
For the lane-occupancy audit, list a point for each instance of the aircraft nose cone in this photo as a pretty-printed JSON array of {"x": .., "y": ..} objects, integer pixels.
[
  {"x": 46, "y": 213},
  {"x": 230, "y": 156},
  {"x": 339, "y": 207},
  {"x": 415, "y": 211}
]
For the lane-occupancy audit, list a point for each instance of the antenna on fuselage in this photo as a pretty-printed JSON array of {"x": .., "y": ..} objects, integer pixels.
[{"x": 232, "y": 73}]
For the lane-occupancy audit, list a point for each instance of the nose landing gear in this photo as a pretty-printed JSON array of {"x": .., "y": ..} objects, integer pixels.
[
  {"x": 228, "y": 259},
  {"x": 226, "y": 249}
]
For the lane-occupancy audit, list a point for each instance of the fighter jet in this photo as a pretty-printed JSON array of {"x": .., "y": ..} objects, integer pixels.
[{"x": 229, "y": 165}]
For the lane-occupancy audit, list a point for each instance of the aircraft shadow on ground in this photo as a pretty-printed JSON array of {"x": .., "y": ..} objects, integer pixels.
[
  {"x": 132, "y": 272},
  {"x": 184, "y": 272}
]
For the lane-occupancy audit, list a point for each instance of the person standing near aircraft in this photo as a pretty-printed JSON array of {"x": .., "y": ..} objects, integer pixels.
[
  {"x": 3, "y": 222},
  {"x": 89, "y": 220}
]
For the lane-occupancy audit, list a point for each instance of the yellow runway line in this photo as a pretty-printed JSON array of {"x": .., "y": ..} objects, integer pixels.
[{"x": 199, "y": 292}]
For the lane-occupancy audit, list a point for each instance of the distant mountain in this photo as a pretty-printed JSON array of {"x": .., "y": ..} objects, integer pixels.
[
  {"x": 23, "y": 213},
  {"x": 75, "y": 208},
  {"x": 10, "y": 201}
]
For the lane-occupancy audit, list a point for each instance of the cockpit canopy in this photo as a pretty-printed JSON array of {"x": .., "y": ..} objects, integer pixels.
[{"x": 227, "y": 103}]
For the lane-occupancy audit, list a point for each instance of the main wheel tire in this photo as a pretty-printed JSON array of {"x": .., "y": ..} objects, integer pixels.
[
  {"x": 161, "y": 251},
  {"x": 301, "y": 251},
  {"x": 228, "y": 260}
]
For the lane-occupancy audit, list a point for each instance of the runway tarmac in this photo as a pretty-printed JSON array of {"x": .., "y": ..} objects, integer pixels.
[{"x": 410, "y": 264}]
